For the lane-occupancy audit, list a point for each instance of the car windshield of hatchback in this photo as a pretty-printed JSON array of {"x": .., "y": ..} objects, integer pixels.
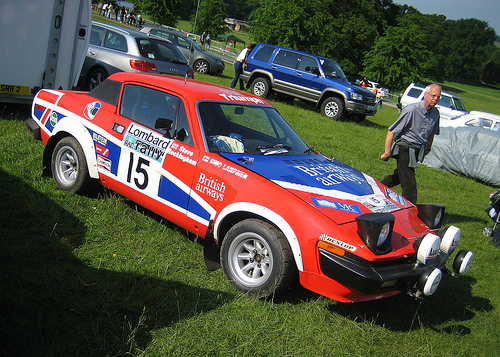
[
  {"x": 160, "y": 51},
  {"x": 332, "y": 68},
  {"x": 249, "y": 129}
]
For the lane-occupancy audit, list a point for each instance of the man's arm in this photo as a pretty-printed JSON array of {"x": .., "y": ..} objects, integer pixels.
[
  {"x": 429, "y": 144},
  {"x": 388, "y": 144}
]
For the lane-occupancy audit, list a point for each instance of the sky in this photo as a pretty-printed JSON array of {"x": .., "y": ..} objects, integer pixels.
[{"x": 485, "y": 10}]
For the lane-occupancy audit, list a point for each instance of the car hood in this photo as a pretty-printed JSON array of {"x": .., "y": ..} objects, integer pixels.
[{"x": 334, "y": 188}]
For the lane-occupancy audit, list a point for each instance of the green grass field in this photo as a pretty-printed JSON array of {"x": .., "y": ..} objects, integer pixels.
[{"x": 100, "y": 276}]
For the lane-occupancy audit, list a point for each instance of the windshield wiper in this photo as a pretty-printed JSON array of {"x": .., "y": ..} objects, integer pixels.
[{"x": 310, "y": 150}]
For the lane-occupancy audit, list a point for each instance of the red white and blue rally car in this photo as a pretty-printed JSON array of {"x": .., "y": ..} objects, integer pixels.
[{"x": 226, "y": 166}]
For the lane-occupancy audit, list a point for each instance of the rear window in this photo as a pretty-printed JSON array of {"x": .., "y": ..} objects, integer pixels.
[
  {"x": 160, "y": 50},
  {"x": 264, "y": 53},
  {"x": 414, "y": 92},
  {"x": 108, "y": 91}
]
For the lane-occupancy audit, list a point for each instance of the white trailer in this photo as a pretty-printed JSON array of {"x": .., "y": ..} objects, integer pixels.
[{"x": 42, "y": 45}]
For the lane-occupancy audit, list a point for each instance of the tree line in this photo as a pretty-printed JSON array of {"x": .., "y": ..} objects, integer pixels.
[{"x": 389, "y": 43}]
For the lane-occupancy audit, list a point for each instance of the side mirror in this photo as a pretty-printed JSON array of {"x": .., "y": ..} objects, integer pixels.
[
  {"x": 315, "y": 70},
  {"x": 164, "y": 124},
  {"x": 181, "y": 134}
]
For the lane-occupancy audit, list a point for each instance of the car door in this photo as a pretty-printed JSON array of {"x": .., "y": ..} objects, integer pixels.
[
  {"x": 156, "y": 166},
  {"x": 284, "y": 72},
  {"x": 307, "y": 79}
]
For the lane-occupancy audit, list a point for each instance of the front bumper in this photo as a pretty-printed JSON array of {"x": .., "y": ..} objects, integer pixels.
[
  {"x": 361, "y": 108},
  {"x": 375, "y": 277}
]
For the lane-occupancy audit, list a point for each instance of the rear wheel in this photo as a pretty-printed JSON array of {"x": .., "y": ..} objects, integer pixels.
[
  {"x": 257, "y": 259},
  {"x": 69, "y": 166},
  {"x": 261, "y": 87},
  {"x": 333, "y": 108},
  {"x": 96, "y": 77},
  {"x": 201, "y": 66}
]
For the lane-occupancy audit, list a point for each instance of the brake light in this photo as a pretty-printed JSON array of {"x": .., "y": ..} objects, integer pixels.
[{"x": 142, "y": 66}]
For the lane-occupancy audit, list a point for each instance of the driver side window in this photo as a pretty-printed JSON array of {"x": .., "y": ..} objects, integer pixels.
[{"x": 144, "y": 105}]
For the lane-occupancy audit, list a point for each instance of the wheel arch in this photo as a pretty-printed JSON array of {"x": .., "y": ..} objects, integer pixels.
[
  {"x": 331, "y": 93},
  {"x": 238, "y": 212},
  {"x": 260, "y": 73},
  {"x": 67, "y": 127}
]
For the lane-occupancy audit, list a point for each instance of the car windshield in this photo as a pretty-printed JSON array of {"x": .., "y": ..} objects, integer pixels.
[
  {"x": 160, "y": 51},
  {"x": 331, "y": 68},
  {"x": 249, "y": 129}
]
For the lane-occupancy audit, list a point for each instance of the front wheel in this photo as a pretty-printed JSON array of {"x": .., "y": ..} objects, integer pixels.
[
  {"x": 333, "y": 108},
  {"x": 69, "y": 166},
  {"x": 261, "y": 87},
  {"x": 257, "y": 259}
]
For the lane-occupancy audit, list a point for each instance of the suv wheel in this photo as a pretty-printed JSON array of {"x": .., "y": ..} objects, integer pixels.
[
  {"x": 332, "y": 108},
  {"x": 201, "y": 66},
  {"x": 261, "y": 87}
]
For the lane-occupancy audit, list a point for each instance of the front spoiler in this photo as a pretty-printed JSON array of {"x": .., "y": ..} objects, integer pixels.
[{"x": 370, "y": 278}]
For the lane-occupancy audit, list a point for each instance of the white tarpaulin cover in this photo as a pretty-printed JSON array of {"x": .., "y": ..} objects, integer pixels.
[{"x": 467, "y": 151}]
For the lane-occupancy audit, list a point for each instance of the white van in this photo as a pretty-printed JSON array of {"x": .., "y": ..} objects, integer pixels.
[{"x": 449, "y": 106}]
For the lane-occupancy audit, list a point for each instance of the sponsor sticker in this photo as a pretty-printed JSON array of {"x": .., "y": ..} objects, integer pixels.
[
  {"x": 338, "y": 243},
  {"x": 182, "y": 153},
  {"x": 320, "y": 202},
  {"x": 378, "y": 204},
  {"x": 104, "y": 162},
  {"x": 329, "y": 174},
  {"x": 146, "y": 142},
  {"x": 395, "y": 197},
  {"x": 210, "y": 186},
  {"x": 91, "y": 110}
]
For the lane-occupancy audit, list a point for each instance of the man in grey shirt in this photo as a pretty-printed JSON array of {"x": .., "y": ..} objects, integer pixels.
[{"x": 413, "y": 134}]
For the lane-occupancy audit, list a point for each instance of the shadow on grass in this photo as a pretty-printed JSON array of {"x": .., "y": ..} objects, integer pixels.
[
  {"x": 53, "y": 304},
  {"x": 452, "y": 304}
]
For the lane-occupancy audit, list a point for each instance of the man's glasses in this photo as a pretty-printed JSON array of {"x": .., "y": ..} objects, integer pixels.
[{"x": 434, "y": 96}]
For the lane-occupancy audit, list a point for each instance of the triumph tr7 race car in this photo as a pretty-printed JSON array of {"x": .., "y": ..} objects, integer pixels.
[{"x": 227, "y": 167}]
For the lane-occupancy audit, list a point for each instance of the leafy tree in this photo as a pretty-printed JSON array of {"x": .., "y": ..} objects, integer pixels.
[
  {"x": 210, "y": 18},
  {"x": 399, "y": 57},
  {"x": 468, "y": 44},
  {"x": 165, "y": 12},
  {"x": 299, "y": 24},
  {"x": 491, "y": 70}
]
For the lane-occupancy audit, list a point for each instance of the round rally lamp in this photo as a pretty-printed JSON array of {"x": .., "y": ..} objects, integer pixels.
[
  {"x": 428, "y": 248},
  {"x": 462, "y": 261},
  {"x": 450, "y": 239},
  {"x": 429, "y": 281}
]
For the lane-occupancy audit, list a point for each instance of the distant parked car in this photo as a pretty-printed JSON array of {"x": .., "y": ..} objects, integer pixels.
[
  {"x": 474, "y": 118},
  {"x": 312, "y": 78},
  {"x": 449, "y": 106},
  {"x": 115, "y": 49},
  {"x": 201, "y": 60}
]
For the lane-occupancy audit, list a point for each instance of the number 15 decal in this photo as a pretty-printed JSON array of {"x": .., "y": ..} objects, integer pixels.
[{"x": 139, "y": 174}]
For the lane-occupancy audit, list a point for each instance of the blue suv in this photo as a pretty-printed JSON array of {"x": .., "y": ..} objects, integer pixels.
[{"x": 308, "y": 77}]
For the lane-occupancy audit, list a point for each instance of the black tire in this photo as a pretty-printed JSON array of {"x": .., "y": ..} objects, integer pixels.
[
  {"x": 96, "y": 77},
  {"x": 261, "y": 87},
  {"x": 69, "y": 166},
  {"x": 202, "y": 66},
  {"x": 333, "y": 108},
  {"x": 257, "y": 259}
]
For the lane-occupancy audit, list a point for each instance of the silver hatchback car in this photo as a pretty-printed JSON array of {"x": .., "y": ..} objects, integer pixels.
[{"x": 115, "y": 49}]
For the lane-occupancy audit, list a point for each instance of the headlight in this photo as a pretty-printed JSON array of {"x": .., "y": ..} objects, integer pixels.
[
  {"x": 427, "y": 248},
  {"x": 376, "y": 231},
  {"x": 449, "y": 239},
  {"x": 462, "y": 261},
  {"x": 357, "y": 96},
  {"x": 431, "y": 215},
  {"x": 429, "y": 281}
]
